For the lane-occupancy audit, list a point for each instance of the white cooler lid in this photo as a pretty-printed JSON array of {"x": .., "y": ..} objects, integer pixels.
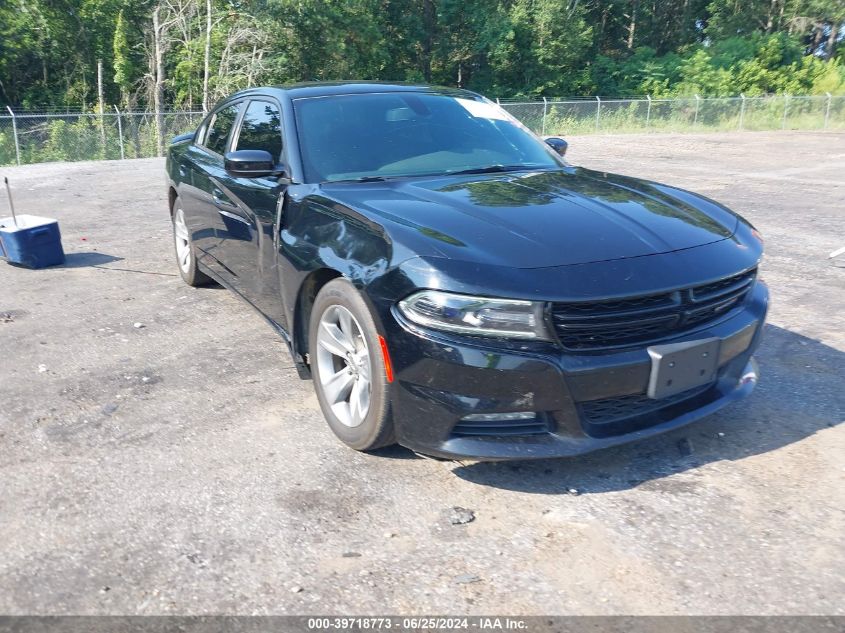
[{"x": 24, "y": 222}]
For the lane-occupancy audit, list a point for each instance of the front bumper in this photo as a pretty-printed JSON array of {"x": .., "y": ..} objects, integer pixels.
[{"x": 587, "y": 401}]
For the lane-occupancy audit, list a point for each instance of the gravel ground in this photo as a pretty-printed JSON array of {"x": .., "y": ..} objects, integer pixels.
[{"x": 182, "y": 467}]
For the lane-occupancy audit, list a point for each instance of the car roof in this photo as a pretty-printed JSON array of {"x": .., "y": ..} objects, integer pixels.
[{"x": 332, "y": 88}]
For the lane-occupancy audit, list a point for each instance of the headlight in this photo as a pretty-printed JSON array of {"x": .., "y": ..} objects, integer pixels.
[{"x": 480, "y": 316}]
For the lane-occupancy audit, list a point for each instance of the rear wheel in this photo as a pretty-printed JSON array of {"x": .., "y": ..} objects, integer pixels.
[
  {"x": 185, "y": 252},
  {"x": 348, "y": 368}
]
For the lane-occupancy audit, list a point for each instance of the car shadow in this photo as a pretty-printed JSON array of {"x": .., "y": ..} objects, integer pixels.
[
  {"x": 394, "y": 451},
  {"x": 93, "y": 259},
  {"x": 800, "y": 393}
]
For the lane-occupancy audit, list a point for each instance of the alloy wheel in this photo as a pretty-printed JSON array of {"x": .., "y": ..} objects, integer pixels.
[
  {"x": 345, "y": 368},
  {"x": 182, "y": 239}
]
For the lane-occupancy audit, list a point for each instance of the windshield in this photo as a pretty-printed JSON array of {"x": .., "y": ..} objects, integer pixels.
[{"x": 368, "y": 136}]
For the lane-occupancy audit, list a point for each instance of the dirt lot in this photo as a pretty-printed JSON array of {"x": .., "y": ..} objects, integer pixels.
[{"x": 182, "y": 467}]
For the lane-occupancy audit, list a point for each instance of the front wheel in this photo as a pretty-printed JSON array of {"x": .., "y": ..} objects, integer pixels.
[{"x": 348, "y": 368}]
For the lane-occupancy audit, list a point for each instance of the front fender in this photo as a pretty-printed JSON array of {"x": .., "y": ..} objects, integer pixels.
[{"x": 320, "y": 239}]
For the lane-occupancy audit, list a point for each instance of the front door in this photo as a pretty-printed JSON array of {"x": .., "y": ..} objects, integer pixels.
[
  {"x": 248, "y": 209},
  {"x": 202, "y": 211}
]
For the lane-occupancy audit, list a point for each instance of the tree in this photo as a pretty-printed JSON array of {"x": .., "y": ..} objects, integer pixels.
[
  {"x": 128, "y": 70},
  {"x": 545, "y": 50},
  {"x": 206, "y": 65},
  {"x": 178, "y": 53},
  {"x": 159, "y": 33}
]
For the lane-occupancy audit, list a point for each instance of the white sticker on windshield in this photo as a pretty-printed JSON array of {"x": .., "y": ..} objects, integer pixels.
[{"x": 483, "y": 110}]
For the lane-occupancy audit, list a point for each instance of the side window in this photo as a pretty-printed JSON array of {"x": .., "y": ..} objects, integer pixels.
[
  {"x": 220, "y": 127},
  {"x": 199, "y": 139},
  {"x": 262, "y": 128}
]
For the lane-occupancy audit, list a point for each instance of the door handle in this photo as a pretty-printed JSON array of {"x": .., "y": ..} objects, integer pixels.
[
  {"x": 220, "y": 199},
  {"x": 183, "y": 171},
  {"x": 234, "y": 216},
  {"x": 226, "y": 207}
]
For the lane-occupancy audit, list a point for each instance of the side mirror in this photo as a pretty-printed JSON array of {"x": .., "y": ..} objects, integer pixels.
[
  {"x": 558, "y": 145},
  {"x": 250, "y": 163}
]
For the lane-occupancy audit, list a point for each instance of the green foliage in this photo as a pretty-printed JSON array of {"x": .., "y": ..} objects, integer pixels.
[
  {"x": 543, "y": 44},
  {"x": 506, "y": 48},
  {"x": 88, "y": 137},
  {"x": 7, "y": 148},
  {"x": 128, "y": 62},
  {"x": 752, "y": 66},
  {"x": 80, "y": 139}
]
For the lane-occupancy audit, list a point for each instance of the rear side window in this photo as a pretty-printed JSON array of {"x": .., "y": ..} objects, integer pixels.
[
  {"x": 220, "y": 128},
  {"x": 261, "y": 128}
]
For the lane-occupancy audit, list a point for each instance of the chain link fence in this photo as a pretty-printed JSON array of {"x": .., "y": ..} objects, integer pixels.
[
  {"x": 35, "y": 138},
  {"x": 693, "y": 114}
]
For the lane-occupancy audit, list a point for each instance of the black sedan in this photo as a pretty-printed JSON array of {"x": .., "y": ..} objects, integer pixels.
[{"x": 452, "y": 284}]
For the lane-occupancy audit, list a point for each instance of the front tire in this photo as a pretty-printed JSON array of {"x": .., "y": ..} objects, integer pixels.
[
  {"x": 186, "y": 258},
  {"x": 348, "y": 368}
]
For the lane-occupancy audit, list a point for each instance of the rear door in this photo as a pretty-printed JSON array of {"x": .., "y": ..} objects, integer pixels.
[{"x": 247, "y": 247}]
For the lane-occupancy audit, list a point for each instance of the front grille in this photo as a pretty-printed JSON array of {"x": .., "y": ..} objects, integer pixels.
[
  {"x": 619, "y": 322},
  {"x": 631, "y": 406},
  {"x": 501, "y": 428}
]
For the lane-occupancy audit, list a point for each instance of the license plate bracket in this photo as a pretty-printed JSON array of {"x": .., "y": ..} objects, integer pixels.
[{"x": 678, "y": 367}]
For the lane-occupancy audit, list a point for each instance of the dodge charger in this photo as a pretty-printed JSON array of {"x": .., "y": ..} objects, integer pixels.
[{"x": 450, "y": 282}]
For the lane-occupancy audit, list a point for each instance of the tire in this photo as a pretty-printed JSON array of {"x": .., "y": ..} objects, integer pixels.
[
  {"x": 186, "y": 259},
  {"x": 340, "y": 381}
]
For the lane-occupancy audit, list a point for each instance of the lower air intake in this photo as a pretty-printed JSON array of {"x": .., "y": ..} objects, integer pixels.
[
  {"x": 622, "y": 407},
  {"x": 487, "y": 425}
]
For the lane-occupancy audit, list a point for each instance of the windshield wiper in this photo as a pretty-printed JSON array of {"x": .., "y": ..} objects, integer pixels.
[
  {"x": 492, "y": 169},
  {"x": 475, "y": 170},
  {"x": 363, "y": 179}
]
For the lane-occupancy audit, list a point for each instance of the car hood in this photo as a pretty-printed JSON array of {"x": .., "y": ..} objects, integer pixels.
[{"x": 537, "y": 219}]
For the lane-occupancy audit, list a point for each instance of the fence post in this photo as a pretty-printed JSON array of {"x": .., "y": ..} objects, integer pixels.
[
  {"x": 120, "y": 133},
  {"x": 598, "y": 111},
  {"x": 545, "y": 113},
  {"x": 695, "y": 117},
  {"x": 497, "y": 101},
  {"x": 15, "y": 134},
  {"x": 741, "y": 110},
  {"x": 827, "y": 110},
  {"x": 785, "y": 110},
  {"x": 101, "y": 107},
  {"x": 648, "y": 112}
]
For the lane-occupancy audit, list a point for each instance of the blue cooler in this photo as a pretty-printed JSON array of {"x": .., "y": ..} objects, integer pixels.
[{"x": 35, "y": 242}]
